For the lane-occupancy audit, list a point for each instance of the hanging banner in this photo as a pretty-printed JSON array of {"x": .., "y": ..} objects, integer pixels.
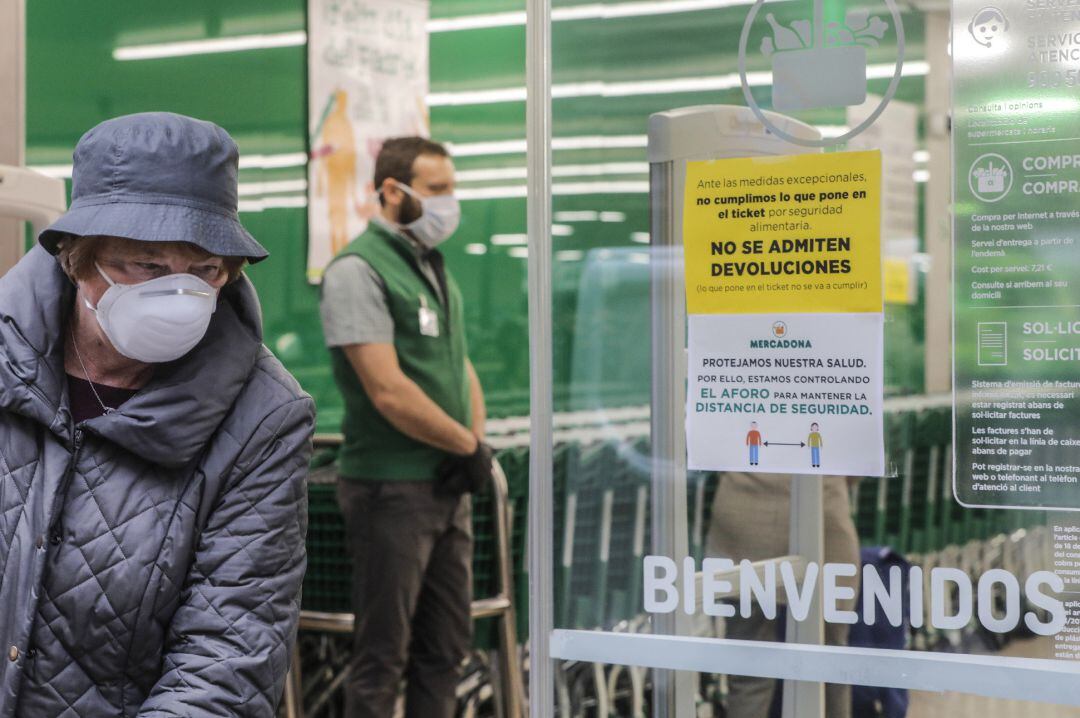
[
  {"x": 784, "y": 296},
  {"x": 367, "y": 81},
  {"x": 1016, "y": 138}
]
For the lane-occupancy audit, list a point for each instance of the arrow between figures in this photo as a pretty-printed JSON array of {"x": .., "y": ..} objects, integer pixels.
[{"x": 780, "y": 443}]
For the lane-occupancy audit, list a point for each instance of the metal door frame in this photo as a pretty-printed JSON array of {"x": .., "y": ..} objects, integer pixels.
[{"x": 12, "y": 114}]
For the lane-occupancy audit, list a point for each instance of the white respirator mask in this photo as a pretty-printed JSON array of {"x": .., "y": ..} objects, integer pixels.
[
  {"x": 158, "y": 320},
  {"x": 439, "y": 217}
]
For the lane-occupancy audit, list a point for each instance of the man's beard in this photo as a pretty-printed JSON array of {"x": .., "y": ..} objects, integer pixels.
[{"x": 410, "y": 210}]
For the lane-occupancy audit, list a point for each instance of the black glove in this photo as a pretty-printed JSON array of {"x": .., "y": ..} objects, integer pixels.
[{"x": 457, "y": 475}]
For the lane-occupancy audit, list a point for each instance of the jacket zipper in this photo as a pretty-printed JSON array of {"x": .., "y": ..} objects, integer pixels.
[
  {"x": 57, "y": 527},
  {"x": 465, "y": 391},
  {"x": 5, "y": 474},
  {"x": 447, "y": 307}
]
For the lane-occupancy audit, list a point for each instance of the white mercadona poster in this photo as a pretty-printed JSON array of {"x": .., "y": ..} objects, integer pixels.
[{"x": 367, "y": 81}]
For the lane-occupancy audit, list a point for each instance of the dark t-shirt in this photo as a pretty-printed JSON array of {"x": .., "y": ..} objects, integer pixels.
[{"x": 84, "y": 405}]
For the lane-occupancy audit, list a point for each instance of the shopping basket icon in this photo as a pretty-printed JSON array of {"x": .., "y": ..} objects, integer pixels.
[{"x": 817, "y": 65}]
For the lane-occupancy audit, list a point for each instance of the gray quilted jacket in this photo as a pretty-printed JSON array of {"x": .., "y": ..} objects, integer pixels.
[{"x": 151, "y": 559}]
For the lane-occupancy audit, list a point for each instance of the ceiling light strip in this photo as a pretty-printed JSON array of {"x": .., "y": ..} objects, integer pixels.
[
  {"x": 496, "y": 147},
  {"x": 581, "y": 142},
  {"x": 497, "y": 174},
  {"x": 258, "y": 205},
  {"x": 295, "y": 38},
  {"x": 270, "y": 162},
  {"x": 239, "y": 43},
  {"x": 247, "y": 189},
  {"x": 559, "y": 188},
  {"x": 263, "y": 162},
  {"x": 730, "y": 81},
  {"x": 462, "y": 149},
  {"x": 475, "y": 22},
  {"x": 590, "y": 11}
]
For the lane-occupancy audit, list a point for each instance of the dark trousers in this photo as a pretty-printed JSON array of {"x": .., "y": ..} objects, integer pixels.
[
  {"x": 412, "y": 589},
  {"x": 753, "y": 697}
]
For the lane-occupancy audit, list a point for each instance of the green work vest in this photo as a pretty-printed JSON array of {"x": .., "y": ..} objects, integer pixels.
[{"x": 373, "y": 449}]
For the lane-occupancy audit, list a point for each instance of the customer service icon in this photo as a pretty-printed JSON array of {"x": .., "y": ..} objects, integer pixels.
[
  {"x": 817, "y": 64},
  {"x": 990, "y": 177},
  {"x": 987, "y": 25}
]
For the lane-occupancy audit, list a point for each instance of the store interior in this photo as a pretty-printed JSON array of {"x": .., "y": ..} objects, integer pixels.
[{"x": 614, "y": 64}]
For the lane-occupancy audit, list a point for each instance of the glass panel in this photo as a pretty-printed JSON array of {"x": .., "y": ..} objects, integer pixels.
[
  {"x": 965, "y": 612},
  {"x": 81, "y": 70}
]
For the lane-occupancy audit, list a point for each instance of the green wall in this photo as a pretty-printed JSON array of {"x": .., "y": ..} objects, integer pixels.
[{"x": 258, "y": 96}]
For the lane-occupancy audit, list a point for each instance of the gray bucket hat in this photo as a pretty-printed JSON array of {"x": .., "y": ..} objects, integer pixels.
[{"x": 156, "y": 177}]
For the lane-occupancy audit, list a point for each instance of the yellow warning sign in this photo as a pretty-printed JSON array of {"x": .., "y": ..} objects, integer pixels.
[
  {"x": 800, "y": 233},
  {"x": 899, "y": 289}
]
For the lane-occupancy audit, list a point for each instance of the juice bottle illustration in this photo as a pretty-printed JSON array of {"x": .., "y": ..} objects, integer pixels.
[{"x": 817, "y": 64}]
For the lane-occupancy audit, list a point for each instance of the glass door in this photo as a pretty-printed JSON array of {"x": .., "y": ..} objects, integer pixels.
[{"x": 803, "y": 420}]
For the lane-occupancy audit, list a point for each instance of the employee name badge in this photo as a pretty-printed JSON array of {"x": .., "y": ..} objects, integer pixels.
[{"x": 429, "y": 320}]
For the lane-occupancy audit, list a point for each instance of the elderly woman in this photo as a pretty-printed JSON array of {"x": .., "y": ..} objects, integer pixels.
[{"x": 152, "y": 451}]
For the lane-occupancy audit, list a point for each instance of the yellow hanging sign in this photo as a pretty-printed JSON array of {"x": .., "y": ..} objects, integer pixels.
[
  {"x": 899, "y": 289},
  {"x": 799, "y": 233}
]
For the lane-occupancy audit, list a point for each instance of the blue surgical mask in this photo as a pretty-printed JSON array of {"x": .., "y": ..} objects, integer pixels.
[{"x": 439, "y": 217}]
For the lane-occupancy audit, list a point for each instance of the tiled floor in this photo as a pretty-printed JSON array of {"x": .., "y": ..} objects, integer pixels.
[{"x": 957, "y": 705}]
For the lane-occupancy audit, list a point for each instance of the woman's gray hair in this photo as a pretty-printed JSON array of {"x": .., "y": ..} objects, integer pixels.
[
  {"x": 72, "y": 255},
  {"x": 77, "y": 256}
]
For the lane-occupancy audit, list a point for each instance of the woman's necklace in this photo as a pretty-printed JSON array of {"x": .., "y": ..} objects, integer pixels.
[{"x": 89, "y": 380}]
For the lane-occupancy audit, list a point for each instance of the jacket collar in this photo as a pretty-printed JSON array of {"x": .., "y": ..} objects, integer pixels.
[
  {"x": 417, "y": 255},
  {"x": 168, "y": 421},
  {"x": 399, "y": 238}
]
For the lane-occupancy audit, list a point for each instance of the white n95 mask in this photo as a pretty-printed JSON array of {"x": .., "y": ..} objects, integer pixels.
[
  {"x": 439, "y": 218},
  {"x": 158, "y": 320}
]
